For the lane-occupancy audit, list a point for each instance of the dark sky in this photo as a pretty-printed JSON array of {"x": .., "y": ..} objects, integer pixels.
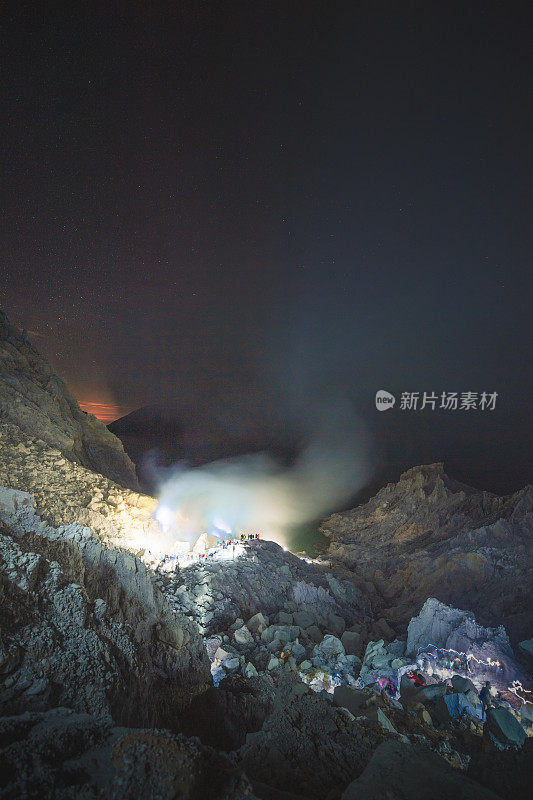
[{"x": 299, "y": 195}]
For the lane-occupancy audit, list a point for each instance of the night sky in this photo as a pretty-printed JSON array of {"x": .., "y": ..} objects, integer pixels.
[{"x": 300, "y": 197}]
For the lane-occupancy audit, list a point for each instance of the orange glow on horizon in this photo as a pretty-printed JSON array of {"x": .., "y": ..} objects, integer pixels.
[{"x": 105, "y": 412}]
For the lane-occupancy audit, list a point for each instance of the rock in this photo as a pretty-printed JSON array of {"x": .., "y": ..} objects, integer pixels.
[
  {"x": 257, "y": 623},
  {"x": 250, "y": 671},
  {"x": 36, "y": 404},
  {"x": 431, "y": 691},
  {"x": 352, "y": 643},
  {"x": 397, "y": 648},
  {"x": 383, "y": 630},
  {"x": 431, "y": 536},
  {"x": 314, "y": 633},
  {"x": 303, "y": 619},
  {"x": 63, "y": 754},
  {"x": 350, "y": 698},
  {"x": 297, "y": 650},
  {"x": 305, "y": 665},
  {"x": 212, "y": 644},
  {"x": 526, "y": 713},
  {"x": 336, "y": 624},
  {"x": 223, "y": 717},
  {"x": 273, "y": 663},
  {"x": 243, "y": 635},
  {"x": 526, "y": 648},
  {"x": 447, "y": 627},
  {"x": 502, "y": 729},
  {"x": 461, "y": 684},
  {"x": 231, "y": 664},
  {"x": 412, "y": 772},
  {"x": 382, "y": 718},
  {"x": 223, "y": 654},
  {"x": 356, "y": 628},
  {"x": 308, "y": 743},
  {"x": 283, "y": 633},
  {"x": 422, "y": 713},
  {"x": 103, "y": 664},
  {"x": 458, "y": 705},
  {"x": 329, "y": 648},
  {"x": 284, "y": 618}
]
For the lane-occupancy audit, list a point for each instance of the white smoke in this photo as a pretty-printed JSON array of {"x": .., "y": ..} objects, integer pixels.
[{"x": 255, "y": 494}]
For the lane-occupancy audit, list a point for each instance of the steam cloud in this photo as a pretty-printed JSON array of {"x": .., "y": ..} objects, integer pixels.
[{"x": 256, "y": 494}]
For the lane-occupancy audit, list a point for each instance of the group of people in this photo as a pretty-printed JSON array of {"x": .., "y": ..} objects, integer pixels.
[{"x": 222, "y": 544}]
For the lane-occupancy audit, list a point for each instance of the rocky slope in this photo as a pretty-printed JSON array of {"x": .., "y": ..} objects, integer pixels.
[
  {"x": 428, "y": 535},
  {"x": 38, "y": 403}
]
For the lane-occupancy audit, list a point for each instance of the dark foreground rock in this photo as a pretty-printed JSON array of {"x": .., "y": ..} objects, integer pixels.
[
  {"x": 399, "y": 771},
  {"x": 64, "y": 755},
  {"x": 308, "y": 746}
]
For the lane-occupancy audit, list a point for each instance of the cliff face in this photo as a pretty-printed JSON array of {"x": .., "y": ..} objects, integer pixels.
[
  {"x": 38, "y": 403},
  {"x": 428, "y": 535}
]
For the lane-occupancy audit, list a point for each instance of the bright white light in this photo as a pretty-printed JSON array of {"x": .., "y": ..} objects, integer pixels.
[
  {"x": 220, "y": 525},
  {"x": 165, "y": 516}
]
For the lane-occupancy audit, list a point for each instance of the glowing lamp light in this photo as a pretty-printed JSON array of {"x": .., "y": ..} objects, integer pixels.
[
  {"x": 489, "y": 662},
  {"x": 515, "y": 687}
]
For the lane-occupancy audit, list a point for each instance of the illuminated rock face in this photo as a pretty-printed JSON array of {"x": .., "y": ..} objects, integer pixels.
[
  {"x": 85, "y": 626},
  {"x": 38, "y": 404},
  {"x": 204, "y": 542}
]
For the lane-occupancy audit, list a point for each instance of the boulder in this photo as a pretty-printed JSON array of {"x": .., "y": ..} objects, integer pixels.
[
  {"x": 297, "y": 650},
  {"x": 378, "y": 715},
  {"x": 257, "y": 623},
  {"x": 526, "y": 647},
  {"x": 351, "y": 698},
  {"x": 352, "y": 642},
  {"x": 303, "y": 619},
  {"x": 422, "y": 713},
  {"x": 243, "y": 636},
  {"x": 412, "y": 772},
  {"x": 61, "y": 754},
  {"x": 431, "y": 692},
  {"x": 384, "y": 630},
  {"x": 452, "y": 628},
  {"x": 314, "y": 633},
  {"x": 461, "y": 684},
  {"x": 502, "y": 729},
  {"x": 458, "y": 705},
  {"x": 336, "y": 624},
  {"x": 329, "y": 648},
  {"x": 222, "y": 653},
  {"x": 284, "y": 633},
  {"x": 284, "y": 618}
]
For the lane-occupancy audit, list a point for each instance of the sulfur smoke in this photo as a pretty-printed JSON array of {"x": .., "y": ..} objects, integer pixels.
[{"x": 256, "y": 494}]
